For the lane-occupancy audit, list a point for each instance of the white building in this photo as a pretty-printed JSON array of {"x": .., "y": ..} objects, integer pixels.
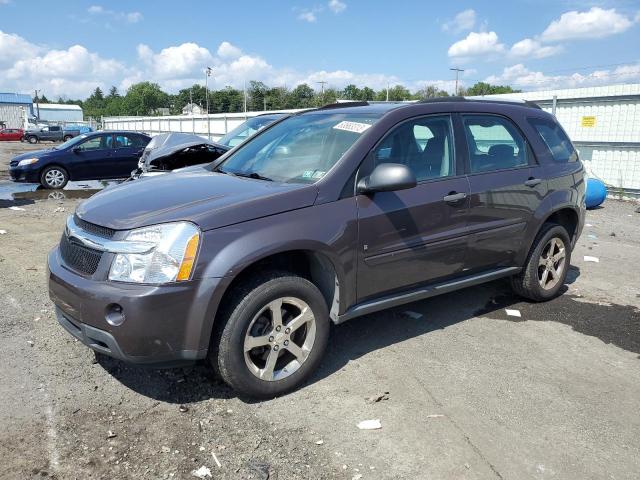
[
  {"x": 15, "y": 109},
  {"x": 58, "y": 112},
  {"x": 192, "y": 109}
]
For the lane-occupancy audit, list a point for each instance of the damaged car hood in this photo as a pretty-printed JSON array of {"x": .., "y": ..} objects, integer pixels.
[
  {"x": 193, "y": 196},
  {"x": 167, "y": 144}
]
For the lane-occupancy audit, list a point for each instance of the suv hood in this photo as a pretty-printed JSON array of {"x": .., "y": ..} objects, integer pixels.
[{"x": 210, "y": 200}]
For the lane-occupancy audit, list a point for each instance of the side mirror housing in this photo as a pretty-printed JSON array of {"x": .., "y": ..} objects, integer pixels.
[
  {"x": 387, "y": 177},
  {"x": 76, "y": 150}
]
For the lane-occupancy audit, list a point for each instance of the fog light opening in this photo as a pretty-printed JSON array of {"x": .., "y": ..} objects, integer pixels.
[{"x": 114, "y": 314}]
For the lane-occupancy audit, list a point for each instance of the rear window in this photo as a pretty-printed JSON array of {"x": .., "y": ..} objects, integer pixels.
[{"x": 555, "y": 139}]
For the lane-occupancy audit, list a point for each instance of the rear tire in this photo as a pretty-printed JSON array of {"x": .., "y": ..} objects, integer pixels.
[
  {"x": 547, "y": 265},
  {"x": 54, "y": 177},
  {"x": 32, "y": 139},
  {"x": 271, "y": 336},
  {"x": 66, "y": 137}
]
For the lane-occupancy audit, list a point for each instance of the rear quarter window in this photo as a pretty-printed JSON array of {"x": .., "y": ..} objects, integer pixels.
[{"x": 555, "y": 139}]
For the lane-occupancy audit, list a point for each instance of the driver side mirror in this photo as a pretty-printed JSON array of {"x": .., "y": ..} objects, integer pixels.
[
  {"x": 76, "y": 150},
  {"x": 387, "y": 177}
]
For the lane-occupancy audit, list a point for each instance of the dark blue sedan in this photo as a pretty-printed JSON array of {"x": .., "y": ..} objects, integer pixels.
[{"x": 91, "y": 156}]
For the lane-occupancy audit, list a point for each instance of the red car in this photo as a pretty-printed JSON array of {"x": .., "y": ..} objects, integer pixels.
[{"x": 11, "y": 134}]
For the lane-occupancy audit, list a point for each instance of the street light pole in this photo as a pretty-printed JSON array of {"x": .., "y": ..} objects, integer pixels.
[
  {"x": 207, "y": 74},
  {"x": 457, "y": 70}
]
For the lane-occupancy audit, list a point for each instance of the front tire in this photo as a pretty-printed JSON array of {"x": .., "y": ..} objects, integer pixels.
[
  {"x": 33, "y": 140},
  {"x": 54, "y": 177},
  {"x": 546, "y": 269},
  {"x": 66, "y": 138},
  {"x": 275, "y": 334}
]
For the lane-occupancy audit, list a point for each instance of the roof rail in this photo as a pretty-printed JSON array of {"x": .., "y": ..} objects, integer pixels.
[
  {"x": 515, "y": 101},
  {"x": 331, "y": 106}
]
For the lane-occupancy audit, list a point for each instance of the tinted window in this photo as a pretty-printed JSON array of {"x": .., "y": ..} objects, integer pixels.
[
  {"x": 123, "y": 141},
  {"x": 94, "y": 143},
  {"x": 425, "y": 145},
  {"x": 556, "y": 140},
  {"x": 494, "y": 143}
]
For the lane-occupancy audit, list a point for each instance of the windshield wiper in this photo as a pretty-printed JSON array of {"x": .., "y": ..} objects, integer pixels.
[{"x": 255, "y": 175}]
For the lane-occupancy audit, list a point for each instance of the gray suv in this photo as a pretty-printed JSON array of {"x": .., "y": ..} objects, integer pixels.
[{"x": 322, "y": 217}]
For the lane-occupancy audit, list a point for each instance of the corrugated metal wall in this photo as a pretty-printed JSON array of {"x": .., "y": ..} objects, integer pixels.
[{"x": 12, "y": 115}]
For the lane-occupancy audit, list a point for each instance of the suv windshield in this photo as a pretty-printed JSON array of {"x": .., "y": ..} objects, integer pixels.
[
  {"x": 300, "y": 149},
  {"x": 246, "y": 129}
]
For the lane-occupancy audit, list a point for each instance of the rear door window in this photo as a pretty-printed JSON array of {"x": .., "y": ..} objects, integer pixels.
[
  {"x": 555, "y": 139},
  {"x": 494, "y": 143}
]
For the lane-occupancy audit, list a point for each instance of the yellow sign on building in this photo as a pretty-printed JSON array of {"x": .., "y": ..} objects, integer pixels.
[{"x": 589, "y": 121}]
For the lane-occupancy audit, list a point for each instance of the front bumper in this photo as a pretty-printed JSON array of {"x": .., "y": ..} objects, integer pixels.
[
  {"x": 165, "y": 325},
  {"x": 21, "y": 174}
]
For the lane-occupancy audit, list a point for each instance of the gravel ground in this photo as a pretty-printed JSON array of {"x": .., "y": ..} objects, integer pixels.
[{"x": 462, "y": 390}]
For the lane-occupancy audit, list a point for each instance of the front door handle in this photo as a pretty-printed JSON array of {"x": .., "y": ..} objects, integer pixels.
[
  {"x": 454, "y": 197},
  {"x": 532, "y": 182}
]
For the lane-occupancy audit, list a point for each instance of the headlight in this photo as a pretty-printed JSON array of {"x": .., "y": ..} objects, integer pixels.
[
  {"x": 27, "y": 161},
  {"x": 171, "y": 260}
]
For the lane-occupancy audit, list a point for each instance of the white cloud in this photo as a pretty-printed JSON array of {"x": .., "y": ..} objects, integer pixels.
[
  {"x": 476, "y": 43},
  {"x": 336, "y": 6},
  {"x": 134, "y": 17},
  {"x": 519, "y": 76},
  {"x": 176, "y": 62},
  {"x": 463, "y": 21},
  {"x": 74, "y": 71},
  {"x": 14, "y": 47},
  {"x": 309, "y": 15},
  {"x": 130, "y": 17},
  {"x": 595, "y": 23},
  {"x": 226, "y": 50},
  {"x": 533, "y": 49}
]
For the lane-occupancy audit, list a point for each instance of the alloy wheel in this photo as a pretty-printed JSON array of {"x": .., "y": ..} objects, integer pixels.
[
  {"x": 279, "y": 339},
  {"x": 551, "y": 264}
]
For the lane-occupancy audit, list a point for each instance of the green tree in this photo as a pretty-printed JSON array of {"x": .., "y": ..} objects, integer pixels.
[
  {"x": 94, "y": 105},
  {"x": 256, "y": 96},
  {"x": 367, "y": 94},
  {"x": 144, "y": 98},
  {"x": 302, "y": 96},
  {"x": 430, "y": 91},
  {"x": 226, "y": 100},
  {"x": 397, "y": 93},
  {"x": 482, "y": 88},
  {"x": 351, "y": 92}
]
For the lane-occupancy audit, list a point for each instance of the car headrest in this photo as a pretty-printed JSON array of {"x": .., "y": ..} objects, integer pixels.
[{"x": 501, "y": 150}]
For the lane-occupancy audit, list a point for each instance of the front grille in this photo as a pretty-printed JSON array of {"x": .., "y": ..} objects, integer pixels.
[
  {"x": 80, "y": 258},
  {"x": 103, "y": 232}
]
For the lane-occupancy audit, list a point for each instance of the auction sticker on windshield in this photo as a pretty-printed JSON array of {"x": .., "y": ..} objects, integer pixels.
[{"x": 355, "y": 127}]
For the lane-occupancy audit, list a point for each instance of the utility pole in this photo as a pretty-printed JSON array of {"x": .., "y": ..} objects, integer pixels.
[
  {"x": 457, "y": 70},
  {"x": 387, "y": 91},
  {"x": 322, "y": 83},
  {"x": 207, "y": 74},
  {"x": 37, "y": 106},
  {"x": 245, "y": 97}
]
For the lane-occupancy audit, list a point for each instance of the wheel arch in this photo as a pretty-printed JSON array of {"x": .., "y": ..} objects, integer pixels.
[{"x": 315, "y": 265}]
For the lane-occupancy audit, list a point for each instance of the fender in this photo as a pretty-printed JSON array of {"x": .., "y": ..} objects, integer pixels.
[
  {"x": 553, "y": 202},
  {"x": 234, "y": 248}
]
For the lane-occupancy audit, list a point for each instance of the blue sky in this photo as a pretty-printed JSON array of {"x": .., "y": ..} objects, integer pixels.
[{"x": 74, "y": 46}]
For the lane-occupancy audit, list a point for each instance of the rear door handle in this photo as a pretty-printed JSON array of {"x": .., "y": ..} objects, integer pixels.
[
  {"x": 532, "y": 182},
  {"x": 454, "y": 197}
]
